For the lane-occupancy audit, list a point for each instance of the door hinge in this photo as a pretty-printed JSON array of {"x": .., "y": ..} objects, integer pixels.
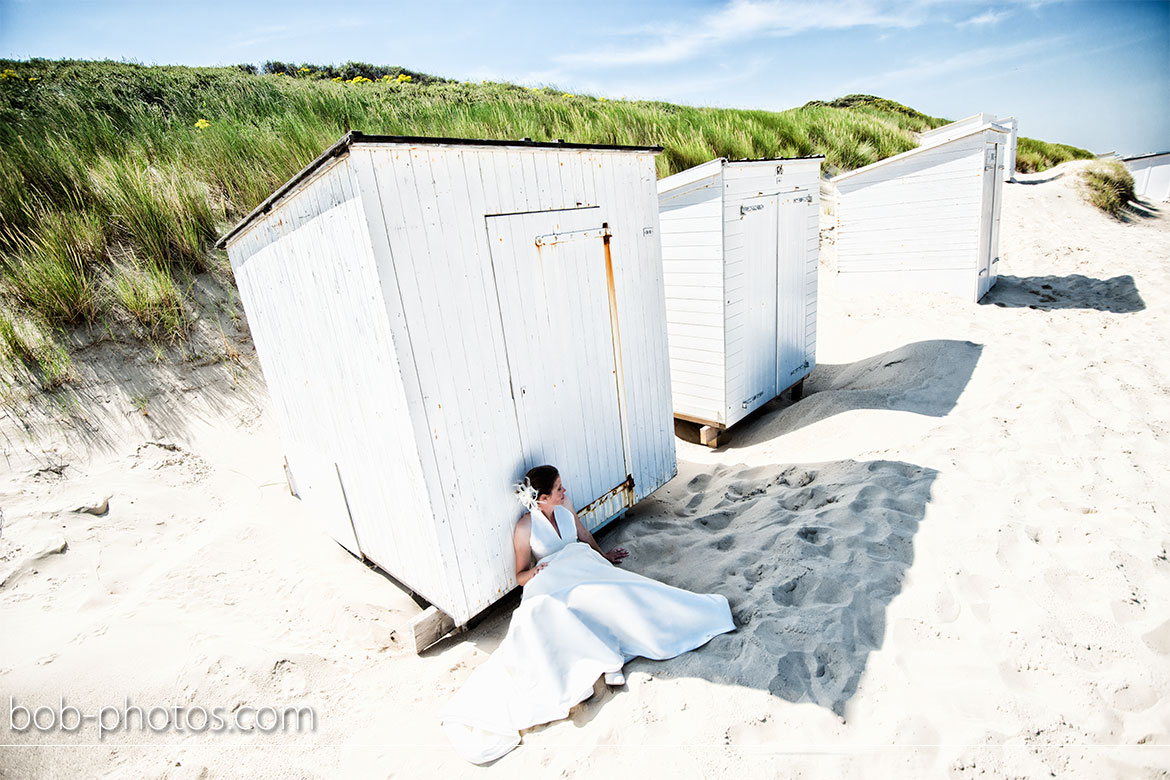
[{"x": 575, "y": 235}]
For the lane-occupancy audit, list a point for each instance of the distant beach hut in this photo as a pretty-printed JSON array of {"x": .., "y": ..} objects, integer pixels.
[
  {"x": 926, "y": 219},
  {"x": 434, "y": 317},
  {"x": 1151, "y": 175},
  {"x": 739, "y": 251}
]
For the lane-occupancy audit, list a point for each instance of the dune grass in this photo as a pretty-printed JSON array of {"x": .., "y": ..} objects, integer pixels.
[
  {"x": 116, "y": 177},
  {"x": 28, "y": 348},
  {"x": 1108, "y": 186},
  {"x": 1033, "y": 156}
]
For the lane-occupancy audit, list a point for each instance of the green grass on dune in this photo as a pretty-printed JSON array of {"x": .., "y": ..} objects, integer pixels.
[
  {"x": 1108, "y": 185},
  {"x": 1033, "y": 155},
  {"x": 115, "y": 175}
]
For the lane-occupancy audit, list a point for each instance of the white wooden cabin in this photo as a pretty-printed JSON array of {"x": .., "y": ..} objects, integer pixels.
[
  {"x": 975, "y": 121},
  {"x": 926, "y": 219},
  {"x": 434, "y": 317},
  {"x": 955, "y": 129},
  {"x": 1013, "y": 127},
  {"x": 739, "y": 253},
  {"x": 1151, "y": 175}
]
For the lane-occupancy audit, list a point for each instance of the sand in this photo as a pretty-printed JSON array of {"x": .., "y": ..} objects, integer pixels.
[{"x": 948, "y": 560}]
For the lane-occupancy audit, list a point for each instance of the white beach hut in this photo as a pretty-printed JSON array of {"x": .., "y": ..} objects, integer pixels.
[
  {"x": 739, "y": 252},
  {"x": 975, "y": 121},
  {"x": 926, "y": 219},
  {"x": 955, "y": 129},
  {"x": 435, "y": 316},
  {"x": 1009, "y": 167},
  {"x": 1151, "y": 175}
]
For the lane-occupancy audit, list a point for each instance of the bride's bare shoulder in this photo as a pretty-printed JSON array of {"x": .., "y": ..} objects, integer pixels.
[{"x": 523, "y": 525}]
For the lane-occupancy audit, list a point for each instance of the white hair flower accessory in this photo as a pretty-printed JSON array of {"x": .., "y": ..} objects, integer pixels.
[{"x": 526, "y": 495}]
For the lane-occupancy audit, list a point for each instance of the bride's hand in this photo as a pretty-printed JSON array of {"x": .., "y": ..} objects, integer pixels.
[{"x": 616, "y": 554}]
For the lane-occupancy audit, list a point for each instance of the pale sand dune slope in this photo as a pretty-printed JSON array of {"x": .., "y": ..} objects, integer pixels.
[{"x": 948, "y": 560}]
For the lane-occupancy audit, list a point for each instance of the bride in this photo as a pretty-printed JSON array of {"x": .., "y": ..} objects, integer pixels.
[{"x": 579, "y": 618}]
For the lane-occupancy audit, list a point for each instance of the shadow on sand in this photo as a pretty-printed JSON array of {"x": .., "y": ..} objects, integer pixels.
[
  {"x": 1139, "y": 210},
  {"x": 809, "y": 557},
  {"x": 163, "y": 390},
  {"x": 1047, "y": 293},
  {"x": 925, "y": 377},
  {"x": 1038, "y": 181}
]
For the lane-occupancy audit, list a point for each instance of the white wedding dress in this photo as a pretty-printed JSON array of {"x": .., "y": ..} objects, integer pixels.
[{"x": 579, "y": 618}]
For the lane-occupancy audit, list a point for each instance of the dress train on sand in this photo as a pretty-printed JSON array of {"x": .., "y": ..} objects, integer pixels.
[{"x": 579, "y": 618}]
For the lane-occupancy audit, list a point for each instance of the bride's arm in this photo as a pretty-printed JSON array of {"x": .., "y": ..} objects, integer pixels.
[
  {"x": 521, "y": 542},
  {"x": 613, "y": 556}
]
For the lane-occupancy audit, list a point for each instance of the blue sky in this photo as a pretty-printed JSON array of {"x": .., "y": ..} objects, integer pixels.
[{"x": 1093, "y": 74}]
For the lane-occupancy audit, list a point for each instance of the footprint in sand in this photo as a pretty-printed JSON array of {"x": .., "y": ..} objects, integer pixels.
[
  {"x": 716, "y": 521},
  {"x": 1158, "y": 640},
  {"x": 831, "y": 592},
  {"x": 799, "y": 478},
  {"x": 795, "y": 591},
  {"x": 699, "y": 483},
  {"x": 725, "y": 544},
  {"x": 945, "y": 608},
  {"x": 794, "y": 502},
  {"x": 791, "y": 680},
  {"x": 1018, "y": 551},
  {"x": 810, "y": 534},
  {"x": 818, "y": 539},
  {"x": 1136, "y": 698}
]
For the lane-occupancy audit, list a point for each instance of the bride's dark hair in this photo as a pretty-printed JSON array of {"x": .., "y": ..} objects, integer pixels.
[{"x": 542, "y": 479}]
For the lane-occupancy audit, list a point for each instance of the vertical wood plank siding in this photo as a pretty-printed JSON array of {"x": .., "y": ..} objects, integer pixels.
[
  {"x": 743, "y": 181},
  {"x": 915, "y": 222},
  {"x": 305, "y": 271},
  {"x": 715, "y": 362},
  {"x": 692, "y": 263},
  {"x": 375, "y": 306}
]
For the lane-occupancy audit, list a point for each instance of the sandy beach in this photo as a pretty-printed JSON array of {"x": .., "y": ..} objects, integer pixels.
[{"x": 948, "y": 560}]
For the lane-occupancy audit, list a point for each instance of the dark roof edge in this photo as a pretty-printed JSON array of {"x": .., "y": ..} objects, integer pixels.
[
  {"x": 776, "y": 159},
  {"x": 353, "y": 136},
  {"x": 422, "y": 139},
  {"x": 1143, "y": 156},
  {"x": 266, "y": 205}
]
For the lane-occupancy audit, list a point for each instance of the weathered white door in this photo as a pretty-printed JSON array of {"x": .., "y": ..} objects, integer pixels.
[
  {"x": 759, "y": 236},
  {"x": 791, "y": 279},
  {"x": 555, "y": 289},
  {"x": 988, "y": 227}
]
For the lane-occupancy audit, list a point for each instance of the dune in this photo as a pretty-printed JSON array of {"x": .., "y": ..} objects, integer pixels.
[{"x": 949, "y": 559}]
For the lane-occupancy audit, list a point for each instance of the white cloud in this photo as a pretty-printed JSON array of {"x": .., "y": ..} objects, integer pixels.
[
  {"x": 742, "y": 20},
  {"x": 986, "y": 18},
  {"x": 924, "y": 68}
]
